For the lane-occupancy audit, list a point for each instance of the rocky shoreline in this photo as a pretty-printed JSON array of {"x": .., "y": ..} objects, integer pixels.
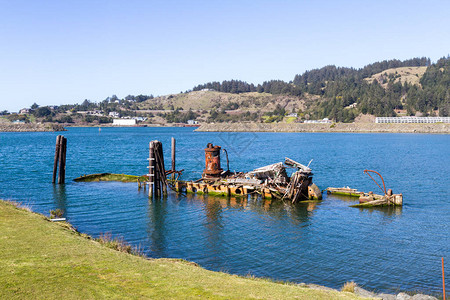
[
  {"x": 372, "y": 295},
  {"x": 438, "y": 128},
  {"x": 31, "y": 127}
]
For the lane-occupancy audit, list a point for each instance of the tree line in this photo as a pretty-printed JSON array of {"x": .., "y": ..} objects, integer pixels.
[{"x": 340, "y": 87}]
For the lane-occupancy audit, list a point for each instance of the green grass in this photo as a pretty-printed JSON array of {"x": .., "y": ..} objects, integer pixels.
[{"x": 44, "y": 260}]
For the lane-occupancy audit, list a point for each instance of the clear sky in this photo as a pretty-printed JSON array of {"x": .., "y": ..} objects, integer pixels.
[{"x": 62, "y": 52}]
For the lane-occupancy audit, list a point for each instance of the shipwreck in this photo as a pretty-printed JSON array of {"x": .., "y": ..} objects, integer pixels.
[
  {"x": 370, "y": 199},
  {"x": 271, "y": 181}
]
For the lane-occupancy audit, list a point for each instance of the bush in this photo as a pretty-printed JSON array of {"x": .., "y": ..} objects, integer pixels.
[
  {"x": 349, "y": 287},
  {"x": 57, "y": 213}
]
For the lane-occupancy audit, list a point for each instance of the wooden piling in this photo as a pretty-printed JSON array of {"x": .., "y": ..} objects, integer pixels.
[
  {"x": 151, "y": 169},
  {"x": 173, "y": 158},
  {"x": 157, "y": 177},
  {"x": 157, "y": 173},
  {"x": 55, "y": 163},
  {"x": 62, "y": 160},
  {"x": 162, "y": 170}
]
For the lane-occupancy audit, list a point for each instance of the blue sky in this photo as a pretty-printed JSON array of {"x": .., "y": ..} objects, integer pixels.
[{"x": 60, "y": 52}]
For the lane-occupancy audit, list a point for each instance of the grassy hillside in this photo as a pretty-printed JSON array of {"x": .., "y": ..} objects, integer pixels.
[
  {"x": 44, "y": 260},
  {"x": 411, "y": 75},
  {"x": 207, "y": 100}
]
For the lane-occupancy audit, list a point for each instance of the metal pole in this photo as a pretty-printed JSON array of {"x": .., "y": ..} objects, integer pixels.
[{"x": 443, "y": 278}]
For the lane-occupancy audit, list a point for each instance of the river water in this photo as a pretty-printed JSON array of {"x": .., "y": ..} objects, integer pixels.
[{"x": 326, "y": 243}]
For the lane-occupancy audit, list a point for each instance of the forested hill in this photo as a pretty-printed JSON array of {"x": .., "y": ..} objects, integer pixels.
[{"x": 344, "y": 93}]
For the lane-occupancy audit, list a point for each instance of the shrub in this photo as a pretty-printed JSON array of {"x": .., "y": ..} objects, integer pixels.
[
  {"x": 57, "y": 213},
  {"x": 349, "y": 287}
]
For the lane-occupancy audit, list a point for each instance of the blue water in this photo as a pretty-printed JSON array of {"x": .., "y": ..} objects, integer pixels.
[{"x": 326, "y": 243}]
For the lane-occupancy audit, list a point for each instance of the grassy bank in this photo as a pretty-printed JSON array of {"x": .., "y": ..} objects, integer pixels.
[{"x": 41, "y": 259}]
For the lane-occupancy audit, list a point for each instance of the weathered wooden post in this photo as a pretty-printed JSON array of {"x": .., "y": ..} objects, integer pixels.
[
  {"x": 55, "y": 163},
  {"x": 162, "y": 170},
  {"x": 151, "y": 169},
  {"x": 62, "y": 160},
  {"x": 173, "y": 158},
  {"x": 157, "y": 187},
  {"x": 157, "y": 173}
]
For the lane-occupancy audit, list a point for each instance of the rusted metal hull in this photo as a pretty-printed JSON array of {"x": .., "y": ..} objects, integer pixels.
[{"x": 311, "y": 192}]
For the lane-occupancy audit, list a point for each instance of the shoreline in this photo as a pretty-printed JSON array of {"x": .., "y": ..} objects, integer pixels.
[
  {"x": 435, "y": 128},
  {"x": 31, "y": 127},
  {"x": 432, "y": 128}
]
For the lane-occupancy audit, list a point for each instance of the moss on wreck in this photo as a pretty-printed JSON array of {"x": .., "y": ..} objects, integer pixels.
[{"x": 110, "y": 177}]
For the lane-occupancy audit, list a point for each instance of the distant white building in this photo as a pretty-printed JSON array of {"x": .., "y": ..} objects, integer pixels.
[
  {"x": 412, "y": 120},
  {"x": 124, "y": 122},
  {"x": 292, "y": 115},
  {"x": 24, "y": 111},
  {"x": 114, "y": 114},
  {"x": 192, "y": 122},
  {"x": 324, "y": 120}
]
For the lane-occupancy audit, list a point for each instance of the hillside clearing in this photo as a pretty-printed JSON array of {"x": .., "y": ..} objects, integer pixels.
[{"x": 411, "y": 75}]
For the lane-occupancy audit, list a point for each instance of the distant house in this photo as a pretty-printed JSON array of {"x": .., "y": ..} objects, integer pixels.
[
  {"x": 192, "y": 122},
  {"x": 114, "y": 114},
  {"x": 24, "y": 111},
  {"x": 124, "y": 122},
  {"x": 292, "y": 115},
  {"x": 19, "y": 122}
]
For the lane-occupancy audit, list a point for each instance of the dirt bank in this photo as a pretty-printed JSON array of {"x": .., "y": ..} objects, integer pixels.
[
  {"x": 337, "y": 127},
  {"x": 30, "y": 127}
]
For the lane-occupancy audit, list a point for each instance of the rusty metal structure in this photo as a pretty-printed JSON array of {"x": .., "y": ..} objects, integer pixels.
[
  {"x": 270, "y": 181},
  {"x": 370, "y": 199},
  {"x": 212, "y": 162}
]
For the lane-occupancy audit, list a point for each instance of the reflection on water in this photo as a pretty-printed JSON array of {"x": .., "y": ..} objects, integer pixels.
[
  {"x": 60, "y": 197},
  {"x": 298, "y": 213},
  {"x": 156, "y": 227},
  {"x": 388, "y": 211}
]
